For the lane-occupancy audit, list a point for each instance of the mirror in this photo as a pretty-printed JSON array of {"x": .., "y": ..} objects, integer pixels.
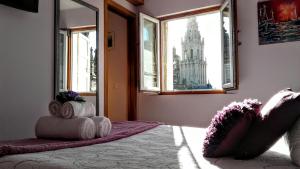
[{"x": 76, "y": 43}]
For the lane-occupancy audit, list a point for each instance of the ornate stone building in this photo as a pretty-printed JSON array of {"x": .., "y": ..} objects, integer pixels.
[{"x": 190, "y": 70}]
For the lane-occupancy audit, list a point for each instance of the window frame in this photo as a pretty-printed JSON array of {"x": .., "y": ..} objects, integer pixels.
[
  {"x": 179, "y": 16},
  {"x": 142, "y": 87},
  {"x": 234, "y": 43},
  {"x": 65, "y": 34},
  {"x": 69, "y": 57}
]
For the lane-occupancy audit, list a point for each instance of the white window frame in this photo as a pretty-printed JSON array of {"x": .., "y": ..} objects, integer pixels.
[
  {"x": 157, "y": 47},
  {"x": 232, "y": 46}
]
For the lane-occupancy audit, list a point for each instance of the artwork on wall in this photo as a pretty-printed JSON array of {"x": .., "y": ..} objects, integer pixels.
[
  {"x": 111, "y": 40},
  {"x": 278, "y": 21}
]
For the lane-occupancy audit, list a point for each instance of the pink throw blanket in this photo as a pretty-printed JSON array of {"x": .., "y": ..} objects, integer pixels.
[{"x": 119, "y": 130}]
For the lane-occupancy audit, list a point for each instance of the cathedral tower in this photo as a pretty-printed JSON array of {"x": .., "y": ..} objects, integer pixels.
[{"x": 190, "y": 71}]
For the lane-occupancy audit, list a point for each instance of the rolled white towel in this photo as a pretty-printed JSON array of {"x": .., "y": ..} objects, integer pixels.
[
  {"x": 77, "y": 109},
  {"x": 103, "y": 126},
  {"x": 55, "y": 108},
  {"x": 50, "y": 127}
]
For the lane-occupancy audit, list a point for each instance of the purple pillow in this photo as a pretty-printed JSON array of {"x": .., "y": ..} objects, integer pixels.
[
  {"x": 278, "y": 115},
  {"x": 228, "y": 127}
]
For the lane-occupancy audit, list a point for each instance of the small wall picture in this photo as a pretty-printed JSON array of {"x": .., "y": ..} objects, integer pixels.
[
  {"x": 111, "y": 40},
  {"x": 278, "y": 21}
]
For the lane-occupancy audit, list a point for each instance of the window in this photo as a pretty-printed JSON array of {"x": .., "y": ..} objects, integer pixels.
[
  {"x": 192, "y": 53},
  {"x": 197, "y": 52},
  {"x": 228, "y": 45},
  {"x": 79, "y": 61},
  {"x": 63, "y": 60},
  {"x": 150, "y": 63}
]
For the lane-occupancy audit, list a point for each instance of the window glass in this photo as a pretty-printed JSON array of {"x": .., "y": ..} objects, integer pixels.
[
  {"x": 192, "y": 53},
  {"x": 63, "y": 59},
  {"x": 149, "y": 60},
  {"x": 228, "y": 45},
  {"x": 150, "y": 55}
]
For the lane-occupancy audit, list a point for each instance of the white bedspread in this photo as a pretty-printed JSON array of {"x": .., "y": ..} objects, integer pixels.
[{"x": 164, "y": 147}]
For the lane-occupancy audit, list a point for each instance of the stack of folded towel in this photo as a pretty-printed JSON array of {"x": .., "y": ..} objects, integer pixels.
[{"x": 72, "y": 119}]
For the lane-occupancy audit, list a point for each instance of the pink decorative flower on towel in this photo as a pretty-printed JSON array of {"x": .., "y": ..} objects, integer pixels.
[{"x": 69, "y": 96}]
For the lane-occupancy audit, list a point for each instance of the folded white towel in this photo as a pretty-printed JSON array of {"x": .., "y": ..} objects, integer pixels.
[
  {"x": 55, "y": 108},
  {"x": 50, "y": 127},
  {"x": 77, "y": 109},
  {"x": 103, "y": 126}
]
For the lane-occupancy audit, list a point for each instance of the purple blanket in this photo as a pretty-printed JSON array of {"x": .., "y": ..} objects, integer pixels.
[{"x": 119, "y": 130}]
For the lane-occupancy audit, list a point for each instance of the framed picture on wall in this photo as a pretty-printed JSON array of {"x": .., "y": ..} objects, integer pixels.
[
  {"x": 111, "y": 40},
  {"x": 278, "y": 21}
]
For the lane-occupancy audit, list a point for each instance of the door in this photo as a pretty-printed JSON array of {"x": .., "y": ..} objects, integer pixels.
[{"x": 118, "y": 78}]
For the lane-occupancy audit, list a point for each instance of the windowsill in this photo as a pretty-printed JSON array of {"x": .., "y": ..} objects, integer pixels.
[
  {"x": 184, "y": 92},
  {"x": 88, "y": 94},
  {"x": 147, "y": 92},
  {"x": 193, "y": 92}
]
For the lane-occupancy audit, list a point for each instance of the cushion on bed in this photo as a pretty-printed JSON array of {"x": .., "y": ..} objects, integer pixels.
[
  {"x": 279, "y": 114},
  {"x": 293, "y": 139},
  {"x": 229, "y": 126}
]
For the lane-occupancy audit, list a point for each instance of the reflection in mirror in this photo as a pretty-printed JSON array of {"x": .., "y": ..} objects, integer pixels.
[
  {"x": 76, "y": 53},
  {"x": 77, "y": 48}
]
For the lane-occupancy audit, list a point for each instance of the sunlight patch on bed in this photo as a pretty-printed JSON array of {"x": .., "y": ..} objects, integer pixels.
[
  {"x": 178, "y": 138},
  {"x": 189, "y": 140}
]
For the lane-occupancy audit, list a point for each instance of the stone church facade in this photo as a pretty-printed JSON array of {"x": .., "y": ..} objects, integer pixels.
[{"x": 190, "y": 70}]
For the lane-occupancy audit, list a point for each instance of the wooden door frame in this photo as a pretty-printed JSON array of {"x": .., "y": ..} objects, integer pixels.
[{"x": 110, "y": 5}]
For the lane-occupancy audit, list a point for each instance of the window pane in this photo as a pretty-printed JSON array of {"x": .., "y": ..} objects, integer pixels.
[
  {"x": 228, "y": 45},
  {"x": 83, "y": 61},
  {"x": 62, "y": 60},
  {"x": 226, "y": 48},
  {"x": 192, "y": 53},
  {"x": 149, "y": 57}
]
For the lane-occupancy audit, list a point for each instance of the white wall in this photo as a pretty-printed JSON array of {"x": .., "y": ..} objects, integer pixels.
[
  {"x": 77, "y": 17},
  {"x": 27, "y": 58},
  {"x": 264, "y": 70},
  {"x": 165, "y": 7}
]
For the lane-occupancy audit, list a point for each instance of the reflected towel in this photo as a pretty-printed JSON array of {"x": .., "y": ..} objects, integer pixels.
[
  {"x": 50, "y": 127},
  {"x": 55, "y": 108},
  {"x": 103, "y": 126},
  {"x": 78, "y": 109}
]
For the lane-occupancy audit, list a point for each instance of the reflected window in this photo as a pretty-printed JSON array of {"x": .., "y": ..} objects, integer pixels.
[
  {"x": 83, "y": 71},
  {"x": 63, "y": 59},
  {"x": 79, "y": 64}
]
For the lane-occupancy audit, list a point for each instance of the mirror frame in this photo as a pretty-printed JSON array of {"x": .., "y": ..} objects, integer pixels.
[{"x": 56, "y": 46}]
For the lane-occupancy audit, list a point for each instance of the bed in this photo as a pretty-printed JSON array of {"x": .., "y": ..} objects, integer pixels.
[{"x": 162, "y": 147}]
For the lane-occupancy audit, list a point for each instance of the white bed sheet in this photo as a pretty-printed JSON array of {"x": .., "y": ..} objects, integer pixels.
[{"x": 164, "y": 147}]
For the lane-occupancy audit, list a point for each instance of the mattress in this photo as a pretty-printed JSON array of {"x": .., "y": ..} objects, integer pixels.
[{"x": 163, "y": 147}]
